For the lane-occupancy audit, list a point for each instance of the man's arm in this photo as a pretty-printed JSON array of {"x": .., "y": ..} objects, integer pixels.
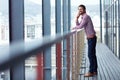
[
  {"x": 82, "y": 23},
  {"x": 77, "y": 17}
]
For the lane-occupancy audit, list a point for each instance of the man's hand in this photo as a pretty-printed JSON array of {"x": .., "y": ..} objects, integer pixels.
[
  {"x": 74, "y": 28},
  {"x": 78, "y": 15}
]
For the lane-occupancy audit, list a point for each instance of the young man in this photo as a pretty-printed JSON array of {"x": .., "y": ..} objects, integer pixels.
[{"x": 87, "y": 24}]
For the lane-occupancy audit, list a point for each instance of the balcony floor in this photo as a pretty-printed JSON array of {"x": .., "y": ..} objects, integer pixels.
[{"x": 108, "y": 65}]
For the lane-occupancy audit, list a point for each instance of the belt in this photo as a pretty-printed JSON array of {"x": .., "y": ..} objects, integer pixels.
[{"x": 91, "y": 36}]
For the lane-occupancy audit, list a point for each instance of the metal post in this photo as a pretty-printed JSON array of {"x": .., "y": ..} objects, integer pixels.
[
  {"x": 58, "y": 45},
  {"x": 69, "y": 15},
  {"x": 106, "y": 22},
  {"x": 69, "y": 40},
  {"x": 65, "y": 30},
  {"x": 101, "y": 20},
  {"x": 40, "y": 66},
  {"x": 46, "y": 31},
  {"x": 16, "y": 27},
  {"x": 65, "y": 23},
  {"x": 71, "y": 57},
  {"x": 112, "y": 28},
  {"x": 119, "y": 25},
  {"x": 68, "y": 58},
  {"x": 58, "y": 62}
]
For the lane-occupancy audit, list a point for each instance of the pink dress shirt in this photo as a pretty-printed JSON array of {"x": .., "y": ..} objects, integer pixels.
[{"x": 87, "y": 24}]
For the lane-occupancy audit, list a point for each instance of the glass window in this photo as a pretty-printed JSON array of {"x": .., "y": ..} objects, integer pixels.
[
  {"x": 53, "y": 32},
  {"x": 4, "y": 22},
  {"x": 52, "y": 17},
  {"x": 4, "y": 32},
  {"x": 106, "y": 3},
  {"x": 62, "y": 16},
  {"x": 33, "y": 19},
  {"x": 32, "y": 30}
]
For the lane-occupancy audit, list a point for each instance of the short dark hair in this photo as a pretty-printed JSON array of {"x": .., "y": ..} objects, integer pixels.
[{"x": 83, "y": 6}]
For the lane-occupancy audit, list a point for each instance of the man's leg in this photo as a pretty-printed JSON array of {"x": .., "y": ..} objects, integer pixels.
[
  {"x": 92, "y": 57},
  {"x": 95, "y": 58}
]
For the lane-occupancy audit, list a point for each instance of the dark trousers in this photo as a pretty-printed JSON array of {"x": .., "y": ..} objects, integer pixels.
[{"x": 92, "y": 54}]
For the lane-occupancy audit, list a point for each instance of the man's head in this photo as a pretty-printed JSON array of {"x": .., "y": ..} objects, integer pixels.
[{"x": 82, "y": 9}]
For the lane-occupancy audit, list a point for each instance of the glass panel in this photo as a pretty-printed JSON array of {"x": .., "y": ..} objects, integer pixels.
[
  {"x": 33, "y": 19},
  {"x": 4, "y": 22},
  {"x": 4, "y": 32},
  {"x": 113, "y": 19},
  {"x": 106, "y": 4},
  {"x": 109, "y": 27},
  {"x": 53, "y": 49},
  {"x": 115, "y": 28},
  {"x": 112, "y": 26},
  {"x": 61, "y": 16},
  {"x": 33, "y": 30}
]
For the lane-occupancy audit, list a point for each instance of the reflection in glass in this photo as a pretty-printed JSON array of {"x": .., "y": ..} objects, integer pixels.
[{"x": 111, "y": 6}]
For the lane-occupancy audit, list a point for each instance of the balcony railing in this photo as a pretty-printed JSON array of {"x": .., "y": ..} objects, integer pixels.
[{"x": 22, "y": 50}]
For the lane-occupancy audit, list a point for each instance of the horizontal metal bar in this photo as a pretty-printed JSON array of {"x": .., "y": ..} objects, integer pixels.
[
  {"x": 22, "y": 50},
  {"x": 66, "y": 50},
  {"x": 48, "y": 68},
  {"x": 64, "y": 67}
]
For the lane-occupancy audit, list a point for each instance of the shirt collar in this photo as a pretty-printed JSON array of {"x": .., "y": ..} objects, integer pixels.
[{"x": 83, "y": 14}]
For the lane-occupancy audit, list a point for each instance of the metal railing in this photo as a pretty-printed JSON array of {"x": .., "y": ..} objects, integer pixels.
[{"x": 22, "y": 50}]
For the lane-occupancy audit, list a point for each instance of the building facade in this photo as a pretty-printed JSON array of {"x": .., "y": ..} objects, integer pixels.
[{"x": 111, "y": 25}]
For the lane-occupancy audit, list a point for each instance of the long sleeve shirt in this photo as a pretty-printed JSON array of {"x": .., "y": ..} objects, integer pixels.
[{"x": 87, "y": 24}]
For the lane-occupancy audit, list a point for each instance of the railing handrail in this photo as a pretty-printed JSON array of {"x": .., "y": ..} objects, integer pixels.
[{"x": 19, "y": 51}]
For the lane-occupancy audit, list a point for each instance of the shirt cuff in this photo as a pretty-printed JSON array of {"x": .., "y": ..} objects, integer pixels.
[{"x": 77, "y": 27}]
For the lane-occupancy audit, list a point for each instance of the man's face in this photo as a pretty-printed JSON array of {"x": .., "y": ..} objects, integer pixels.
[{"x": 81, "y": 10}]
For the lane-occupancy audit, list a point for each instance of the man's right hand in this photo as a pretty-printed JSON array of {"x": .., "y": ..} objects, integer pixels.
[{"x": 78, "y": 15}]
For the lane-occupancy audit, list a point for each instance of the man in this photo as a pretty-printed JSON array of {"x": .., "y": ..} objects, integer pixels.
[{"x": 87, "y": 24}]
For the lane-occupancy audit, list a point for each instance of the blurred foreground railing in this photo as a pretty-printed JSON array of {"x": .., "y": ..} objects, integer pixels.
[{"x": 22, "y": 50}]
